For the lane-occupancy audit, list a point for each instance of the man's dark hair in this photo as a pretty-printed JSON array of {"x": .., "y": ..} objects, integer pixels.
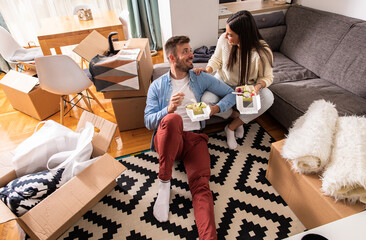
[{"x": 171, "y": 44}]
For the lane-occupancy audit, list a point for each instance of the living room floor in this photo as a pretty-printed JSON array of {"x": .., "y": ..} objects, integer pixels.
[{"x": 15, "y": 127}]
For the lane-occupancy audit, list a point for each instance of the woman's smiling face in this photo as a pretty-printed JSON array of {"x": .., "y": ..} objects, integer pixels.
[{"x": 231, "y": 36}]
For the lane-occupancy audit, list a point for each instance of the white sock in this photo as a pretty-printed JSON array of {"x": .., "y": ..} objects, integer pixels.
[
  {"x": 230, "y": 138},
  {"x": 239, "y": 132},
  {"x": 161, "y": 207}
]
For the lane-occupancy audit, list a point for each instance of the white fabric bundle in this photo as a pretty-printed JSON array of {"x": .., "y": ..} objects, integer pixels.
[
  {"x": 309, "y": 142},
  {"x": 55, "y": 146},
  {"x": 344, "y": 177}
]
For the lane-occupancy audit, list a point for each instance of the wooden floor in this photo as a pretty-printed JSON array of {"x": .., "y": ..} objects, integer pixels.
[{"x": 15, "y": 127}]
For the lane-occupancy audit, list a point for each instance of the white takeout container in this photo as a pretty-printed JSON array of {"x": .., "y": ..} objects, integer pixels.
[
  {"x": 252, "y": 108},
  {"x": 199, "y": 117}
]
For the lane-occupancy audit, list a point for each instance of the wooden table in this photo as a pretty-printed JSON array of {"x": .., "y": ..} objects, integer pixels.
[
  {"x": 253, "y": 6},
  {"x": 57, "y": 32}
]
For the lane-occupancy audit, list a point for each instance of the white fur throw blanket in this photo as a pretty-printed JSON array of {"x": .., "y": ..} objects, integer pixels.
[
  {"x": 309, "y": 142},
  {"x": 345, "y": 175}
]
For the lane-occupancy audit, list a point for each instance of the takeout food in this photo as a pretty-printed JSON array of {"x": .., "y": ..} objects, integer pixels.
[
  {"x": 197, "y": 107},
  {"x": 247, "y": 91}
]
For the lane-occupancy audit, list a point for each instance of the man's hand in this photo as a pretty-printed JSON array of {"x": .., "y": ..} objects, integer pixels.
[
  {"x": 214, "y": 109},
  {"x": 175, "y": 101}
]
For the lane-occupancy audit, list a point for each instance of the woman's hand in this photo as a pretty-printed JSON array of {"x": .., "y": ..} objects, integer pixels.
[
  {"x": 258, "y": 86},
  {"x": 197, "y": 71}
]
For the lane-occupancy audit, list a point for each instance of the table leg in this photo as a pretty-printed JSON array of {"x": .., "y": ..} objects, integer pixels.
[
  {"x": 45, "y": 49},
  {"x": 121, "y": 35},
  {"x": 58, "y": 50}
]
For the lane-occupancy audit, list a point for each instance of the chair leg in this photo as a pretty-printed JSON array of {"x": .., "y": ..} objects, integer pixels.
[
  {"x": 62, "y": 110},
  {"x": 95, "y": 98},
  {"x": 68, "y": 104},
  {"x": 86, "y": 102},
  {"x": 83, "y": 62}
]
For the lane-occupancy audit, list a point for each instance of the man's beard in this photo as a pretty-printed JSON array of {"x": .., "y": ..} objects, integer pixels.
[{"x": 182, "y": 66}]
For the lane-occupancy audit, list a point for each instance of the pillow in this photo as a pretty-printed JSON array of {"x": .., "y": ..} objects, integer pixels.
[
  {"x": 270, "y": 19},
  {"x": 23, "y": 193}
]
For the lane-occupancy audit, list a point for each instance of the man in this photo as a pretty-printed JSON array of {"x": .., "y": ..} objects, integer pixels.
[{"x": 177, "y": 137}]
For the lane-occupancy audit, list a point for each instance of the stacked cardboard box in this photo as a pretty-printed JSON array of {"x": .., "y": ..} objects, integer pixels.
[
  {"x": 128, "y": 105},
  {"x": 60, "y": 210},
  {"x": 303, "y": 192}
]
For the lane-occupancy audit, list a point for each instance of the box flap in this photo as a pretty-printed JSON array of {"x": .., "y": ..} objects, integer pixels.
[
  {"x": 104, "y": 132},
  {"x": 19, "y": 81},
  {"x": 7, "y": 172},
  {"x": 61, "y": 209},
  {"x": 95, "y": 43},
  {"x": 6, "y": 214}
]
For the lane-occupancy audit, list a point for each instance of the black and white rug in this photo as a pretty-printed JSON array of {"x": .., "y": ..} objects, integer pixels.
[{"x": 246, "y": 205}]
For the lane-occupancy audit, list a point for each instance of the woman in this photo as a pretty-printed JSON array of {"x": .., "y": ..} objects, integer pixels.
[{"x": 241, "y": 57}]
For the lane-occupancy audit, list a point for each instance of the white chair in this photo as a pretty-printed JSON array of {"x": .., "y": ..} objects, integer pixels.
[
  {"x": 15, "y": 54},
  {"x": 61, "y": 75},
  {"x": 123, "y": 18}
]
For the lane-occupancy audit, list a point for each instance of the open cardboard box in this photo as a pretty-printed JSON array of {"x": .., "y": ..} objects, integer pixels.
[
  {"x": 25, "y": 95},
  {"x": 95, "y": 44},
  {"x": 303, "y": 194},
  {"x": 59, "y": 211}
]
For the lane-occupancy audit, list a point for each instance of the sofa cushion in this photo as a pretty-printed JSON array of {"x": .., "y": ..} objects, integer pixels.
[
  {"x": 300, "y": 94},
  {"x": 312, "y": 35},
  {"x": 269, "y": 19},
  {"x": 347, "y": 65},
  {"x": 286, "y": 70},
  {"x": 273, "y": 36}
]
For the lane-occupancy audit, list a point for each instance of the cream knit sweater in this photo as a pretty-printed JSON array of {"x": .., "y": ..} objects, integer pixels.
[{"x": 260, "y": 70}]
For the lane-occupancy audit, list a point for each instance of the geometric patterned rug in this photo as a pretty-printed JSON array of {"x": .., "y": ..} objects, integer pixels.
[{"x": 246, "y": 205}]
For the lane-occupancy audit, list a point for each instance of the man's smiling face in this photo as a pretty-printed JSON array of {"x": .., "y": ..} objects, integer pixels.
[{"x": 184, "y": 57}]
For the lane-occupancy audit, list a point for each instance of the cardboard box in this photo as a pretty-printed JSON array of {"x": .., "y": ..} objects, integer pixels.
[
  {"x": 303, "y": 192},
  {"x": 95, "y": 43},
  {"x": 129, "y": 112},
  {"x": 59, "y": 211},
  {"x": 25, "y": 95}
]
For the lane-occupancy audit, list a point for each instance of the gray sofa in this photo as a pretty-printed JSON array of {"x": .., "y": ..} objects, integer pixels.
[{"x": 317, "y": 55}]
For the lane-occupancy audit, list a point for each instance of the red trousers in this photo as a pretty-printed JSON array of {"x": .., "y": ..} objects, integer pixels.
[{"x": 172, "y": 143}]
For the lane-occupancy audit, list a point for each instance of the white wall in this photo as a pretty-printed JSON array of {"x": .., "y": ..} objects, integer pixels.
[
  {"x": 350, "y": 8},
  {"x": 197, "y": 19}
]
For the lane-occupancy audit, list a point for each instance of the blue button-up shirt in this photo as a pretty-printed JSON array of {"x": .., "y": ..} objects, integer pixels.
[{"x": 160, "y": 91}]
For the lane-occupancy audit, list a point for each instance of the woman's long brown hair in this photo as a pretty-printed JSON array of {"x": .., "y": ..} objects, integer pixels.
[{"x": 243, "y": 24}]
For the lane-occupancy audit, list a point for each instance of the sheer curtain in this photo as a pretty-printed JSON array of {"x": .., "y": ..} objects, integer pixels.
[
  {"x": 24, "y": 17},
  {"x": 144, "y": 21}
]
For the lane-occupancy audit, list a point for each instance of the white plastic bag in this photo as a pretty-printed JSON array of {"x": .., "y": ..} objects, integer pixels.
[
  {"x": 53, "y": 147},
  {"x": 75, "y": 160},
  {"x": 32, "y": 154}
]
